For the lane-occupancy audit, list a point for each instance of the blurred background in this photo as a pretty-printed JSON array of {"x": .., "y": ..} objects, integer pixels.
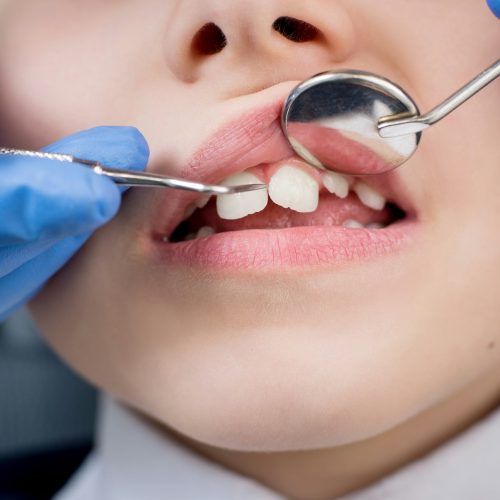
[{"x": 47, "y": 415}]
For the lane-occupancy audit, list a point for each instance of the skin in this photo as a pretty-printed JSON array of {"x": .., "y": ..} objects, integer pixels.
[{"x": 342, "y": 383}]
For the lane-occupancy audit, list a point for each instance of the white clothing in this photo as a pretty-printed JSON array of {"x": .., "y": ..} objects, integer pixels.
[{"x": 135, "y": 461}]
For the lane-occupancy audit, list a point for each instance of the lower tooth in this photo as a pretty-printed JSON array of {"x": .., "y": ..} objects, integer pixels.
[
  {"x": 189, "y": 211},
  {"x": 352, "y": 224},
  {"x": 205, "y": 231},
  {"x": 190, "y": 236},
  {"x": 375, "y": 225},
  {"x": 202, "y": 201}
]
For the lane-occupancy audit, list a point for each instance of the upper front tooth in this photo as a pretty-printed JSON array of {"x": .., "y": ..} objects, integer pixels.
[
  {"x": 239, "y": 205},
  {"x": 291, "y": 187},
  {"x": 336, "y": 184},
  {"x": 189, "y": 211},
  {"x": 202, "y": 201},
  {"x": 369, "y": 197}
]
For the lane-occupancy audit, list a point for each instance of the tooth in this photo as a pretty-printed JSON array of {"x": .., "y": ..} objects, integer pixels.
[
  {"x": 190, "y": 236},
  {"x": 291, "y": 187},
  {"x": 375, "y": 225},
  {"x": 189, "y": 211},
  {"x": 239, "y": 205},
  {"x": 166, "y": 239},
  {"x": 352, "y": 224},
  {"x": 336, "y": 184},
  {"x": 369, "y": 197},
  {"x": 202, "y": 201},
  {"x": 205, "y": 231}
]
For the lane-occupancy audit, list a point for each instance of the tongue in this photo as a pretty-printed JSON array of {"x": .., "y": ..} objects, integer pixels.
[{"x": 332, "y": 211}]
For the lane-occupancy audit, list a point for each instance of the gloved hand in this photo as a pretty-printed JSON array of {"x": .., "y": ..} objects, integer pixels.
[
  {"x": 48, "y": 209},
  {"x": 494, "y": 6}
]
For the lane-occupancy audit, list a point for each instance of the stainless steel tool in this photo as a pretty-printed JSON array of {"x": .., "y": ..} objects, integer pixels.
[
  {"x": 131, "y": 178},
  {"x": 356, "y": 122}
]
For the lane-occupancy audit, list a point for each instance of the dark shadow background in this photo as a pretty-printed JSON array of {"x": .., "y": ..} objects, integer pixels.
[{"x": 47, "y": 415}]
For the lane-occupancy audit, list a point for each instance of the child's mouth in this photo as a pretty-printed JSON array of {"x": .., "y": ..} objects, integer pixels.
[
  {"x": 299, "y": 196},
  {"x": 308, "y": 218}
]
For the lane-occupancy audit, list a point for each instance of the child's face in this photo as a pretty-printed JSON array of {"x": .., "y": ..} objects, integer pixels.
[{"x": 269, "y": 347}]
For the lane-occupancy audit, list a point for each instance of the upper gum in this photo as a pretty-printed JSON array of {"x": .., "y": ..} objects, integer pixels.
[{"x": 265, "y": 171}]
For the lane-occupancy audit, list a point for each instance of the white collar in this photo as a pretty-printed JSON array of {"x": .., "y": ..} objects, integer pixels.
[{"x": 135, "y": 461}]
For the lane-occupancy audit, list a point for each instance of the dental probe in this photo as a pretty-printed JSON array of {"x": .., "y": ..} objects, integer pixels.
[
  {"x": 393, "y": 126},
  {"x": 129, "y": 178}
]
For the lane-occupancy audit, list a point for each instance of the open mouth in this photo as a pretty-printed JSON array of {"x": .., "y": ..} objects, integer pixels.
[
  {"x": 297, "y": 196},
  {"x": 306, "y": 217}
]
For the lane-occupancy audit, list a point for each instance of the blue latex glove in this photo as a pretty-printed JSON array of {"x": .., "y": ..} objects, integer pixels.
[
  {"x": 48, "y": 209},
  {"x": 494, "y": 6}
]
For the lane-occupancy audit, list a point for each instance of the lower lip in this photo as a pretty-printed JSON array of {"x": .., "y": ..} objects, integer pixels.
[{"x": 282, "y": 249}]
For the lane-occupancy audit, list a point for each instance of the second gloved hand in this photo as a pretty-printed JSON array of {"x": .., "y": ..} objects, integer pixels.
[
  {"x": 494, "y": 6},
  {"x": 48, "y": 209}
]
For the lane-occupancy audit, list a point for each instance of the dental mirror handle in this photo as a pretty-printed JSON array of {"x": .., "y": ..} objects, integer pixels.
[
  {"x": 130, "y": 178},
  {"x": 397, "y": 125}
]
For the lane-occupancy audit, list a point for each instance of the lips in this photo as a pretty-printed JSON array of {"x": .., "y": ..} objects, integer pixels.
[{"x": 256, "y": 140}]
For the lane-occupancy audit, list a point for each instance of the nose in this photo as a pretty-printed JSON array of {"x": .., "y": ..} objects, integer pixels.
[{"x": 258, "y": 41}]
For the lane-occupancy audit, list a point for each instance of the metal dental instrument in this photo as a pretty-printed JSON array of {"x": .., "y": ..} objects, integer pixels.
[
  {"x": 358, "y": 123},
  {"x": 130, "y": 178},
  {"x": 392, "y": 126}
]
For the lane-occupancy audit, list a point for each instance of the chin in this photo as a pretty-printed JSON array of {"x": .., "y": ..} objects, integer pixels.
[{"x": 271, "y": 390}]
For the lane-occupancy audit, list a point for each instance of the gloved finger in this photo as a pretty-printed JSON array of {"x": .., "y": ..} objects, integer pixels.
[
  {"x": 120, "y": 147},
  {"x": 17, "y": 287},
  {"x": 107, "y": 149},
  {"x": 47, "y": 200},
  {"x": 14, "y": 256},
  {"x": 495, "y": 7},
  {"x": 43, "y": 199}
]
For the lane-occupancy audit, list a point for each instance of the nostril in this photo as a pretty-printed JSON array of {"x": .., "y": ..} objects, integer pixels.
[
  {"x": 295, "y": 30},
  {"x": 209, "y": 40}
]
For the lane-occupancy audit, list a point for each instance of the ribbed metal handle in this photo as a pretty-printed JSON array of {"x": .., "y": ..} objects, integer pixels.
[{"x": 132, "y": 178}]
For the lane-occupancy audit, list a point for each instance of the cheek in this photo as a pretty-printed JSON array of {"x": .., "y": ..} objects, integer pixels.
[
  {"x": 38, "y": 63},
  {"x": 56, "y": 78},
  {"x": 317, "y": 369}
]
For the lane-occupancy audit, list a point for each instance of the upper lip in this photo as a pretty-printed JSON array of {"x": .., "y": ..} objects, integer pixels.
[{"x": 252, "y": 139}]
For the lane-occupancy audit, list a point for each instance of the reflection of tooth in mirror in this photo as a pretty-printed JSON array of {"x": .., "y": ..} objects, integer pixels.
[
  {"x": 361, "y": 124},
  {"x": 380, "y": 110}
]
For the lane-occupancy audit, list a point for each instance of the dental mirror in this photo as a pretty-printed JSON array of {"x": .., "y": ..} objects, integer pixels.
[{"x": 359, "y": 123}]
